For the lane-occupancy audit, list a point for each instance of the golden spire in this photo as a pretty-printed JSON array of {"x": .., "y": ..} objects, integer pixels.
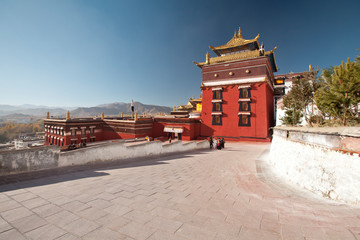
[
  {"x": 122, "y": 114},
  {"x": 68, "y": 115},
  {"x": 136, "y": 116},
  {"x": 47, "y": 115},
  {"x": 239, "y": 34},
  {"x": 235, "y": 34},
  {"x": 310, "y": 68},
  {"x": 207, "y": 58},
  {"x": 102, "y": 115}
]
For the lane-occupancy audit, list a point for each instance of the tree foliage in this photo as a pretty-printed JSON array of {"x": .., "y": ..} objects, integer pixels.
[
  {"x": 10, "y": 130},
  {"x": 298, "y": 99},
  {"x": 339, "y": 95}
]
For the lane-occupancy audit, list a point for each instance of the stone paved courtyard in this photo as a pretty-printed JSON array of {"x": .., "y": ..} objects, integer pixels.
[{"x": 227, "y": 194}]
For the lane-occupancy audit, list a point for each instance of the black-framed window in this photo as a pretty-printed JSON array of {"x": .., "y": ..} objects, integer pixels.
[
  {"x": 73, "y": 132},
  {"x": 244, "y": 120},
  {"x": 244, "y": 106},
  {"x": 244, "y": 93},
  {"x": 217, "y": 120},
  {"x": 217, "y": 107},
  {"x": 217, "y": 94}
]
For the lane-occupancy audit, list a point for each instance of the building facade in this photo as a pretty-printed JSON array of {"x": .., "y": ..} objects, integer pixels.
[{"x": 239, "y": 91}]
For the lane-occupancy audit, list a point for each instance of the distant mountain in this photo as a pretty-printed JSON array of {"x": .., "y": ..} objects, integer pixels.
[
  {"x": 33, "y": 110},
  {"x": 9, "y": 111},
  {"x": 117, "y": 108}
]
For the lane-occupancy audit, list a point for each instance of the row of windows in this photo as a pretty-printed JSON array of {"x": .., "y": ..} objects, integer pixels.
[
  {"x": 244, "y": 120},
  {"x": 55, "y": 131},
  {"x": 74, "y": 142},
  {"x": 243, "y": 106},
  {"x": 55, "y": 141},
  {"x": 83, "y": 131},
  {"x": 243, "y": 93}
]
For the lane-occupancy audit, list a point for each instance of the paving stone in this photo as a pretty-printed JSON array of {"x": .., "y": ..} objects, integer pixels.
[
  {"x": 23, "y": 196},
  {"x": 4, "y": 226},
  {"x": 138, "y": 216},
  {"x": 164, "y": 224},
  {"x": 8, "y": 205},
  {"x": 165, "y": 212},
  {"x": 75, "y": 206},
  {"x": 193, "y": 232},
  {"x": 35, "y": 202},
  {"x": 47, "y": 232},
  {"x": 47, "y": 210},
  {"x": 62, "y": 218},
  {"x": 28, "y": 223},
  {"x": 15, "y": 214},
  {"x": 137, "y": 231},
  {"x": 11, "y": 234},
  {"x": 81, "y": 227},
  {"x": 92, "y": 213},
  {"x": 100, "y": 203},
  {"x": 113, "y": 221},
  {"x": 68, "y": 236},
  {"x": 103, "y": 233},
  {"x": 118, "y": 209}
]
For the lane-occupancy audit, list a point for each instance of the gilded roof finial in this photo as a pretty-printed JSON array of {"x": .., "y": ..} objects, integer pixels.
[
  {"x": 102, "y": 115},
  {"x": 310, "y": 68},
  {"x": 68, "y": 115},
  {"x": 136, "y": 116},
  {"x": 47, "y": 115},
  {"x": 207, "y": 58},
  {"x": 239, "y": 34}
]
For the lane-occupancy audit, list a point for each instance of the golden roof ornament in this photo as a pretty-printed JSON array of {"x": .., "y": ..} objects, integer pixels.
[
  {"x": 207, "y": 58},
  {"x": 102, "y": 115},
  {"x": 136, "y": 116},
  {"x": 239, "y": 34},
  {"x": 47, "y": 115},
  {"x": 67, "y": 115},
  {"x": 310, "y": 68}
]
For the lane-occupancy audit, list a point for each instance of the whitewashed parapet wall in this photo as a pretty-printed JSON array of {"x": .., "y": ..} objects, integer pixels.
[
  {"x": 312, "y": 161},
  {"x": 50, "y": 157},
  {"x": 118, "y": 151}
]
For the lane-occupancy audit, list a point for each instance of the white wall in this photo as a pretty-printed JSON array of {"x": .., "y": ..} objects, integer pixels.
[
  {"x": 317, "y": 168},
  {"x": 116, "y": 151}
]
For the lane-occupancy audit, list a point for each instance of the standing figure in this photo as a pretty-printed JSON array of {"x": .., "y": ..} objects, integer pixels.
[
  {"x": 215, "y": 143},
  {"x": 211, "y": 142}
]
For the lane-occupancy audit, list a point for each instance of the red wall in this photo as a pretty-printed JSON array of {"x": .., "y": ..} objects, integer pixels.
[{"x": 261, "y": 114}]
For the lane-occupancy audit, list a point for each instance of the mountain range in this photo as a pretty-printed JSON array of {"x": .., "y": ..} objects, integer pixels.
[{"x": 30, "y": 111}]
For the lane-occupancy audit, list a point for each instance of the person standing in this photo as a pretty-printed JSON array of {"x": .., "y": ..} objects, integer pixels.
[
  {"x": 211, "y": 142},
  {"x": 215, "y": 143}
]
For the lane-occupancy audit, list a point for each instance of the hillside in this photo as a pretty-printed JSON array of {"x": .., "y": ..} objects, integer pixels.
[{"x": 117, "y": 108}]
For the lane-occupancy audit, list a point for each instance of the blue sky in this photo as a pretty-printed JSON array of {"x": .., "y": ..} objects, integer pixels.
[{"x": 86, "y": 53}]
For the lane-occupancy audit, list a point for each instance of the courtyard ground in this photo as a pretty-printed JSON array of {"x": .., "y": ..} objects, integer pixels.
[{"x": 218, "y": 194}]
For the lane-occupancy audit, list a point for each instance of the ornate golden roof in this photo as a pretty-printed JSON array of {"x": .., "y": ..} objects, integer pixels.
[
  {"x": 233, "y": 57},
  {"x": 236, "y": 41}
]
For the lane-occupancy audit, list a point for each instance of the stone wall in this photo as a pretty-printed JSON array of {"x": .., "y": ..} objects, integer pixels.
[
  {"x": 325, "y": 162},
  {"x": 28, "y": 160}
]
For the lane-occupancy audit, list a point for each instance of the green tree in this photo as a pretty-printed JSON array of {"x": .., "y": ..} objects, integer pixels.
[
  {"x": 339, "y": 96},
  {"x": 299, "y": 100}
]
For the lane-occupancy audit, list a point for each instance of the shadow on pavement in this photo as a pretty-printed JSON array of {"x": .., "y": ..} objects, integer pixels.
[{"x": 51, "y": 176}]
